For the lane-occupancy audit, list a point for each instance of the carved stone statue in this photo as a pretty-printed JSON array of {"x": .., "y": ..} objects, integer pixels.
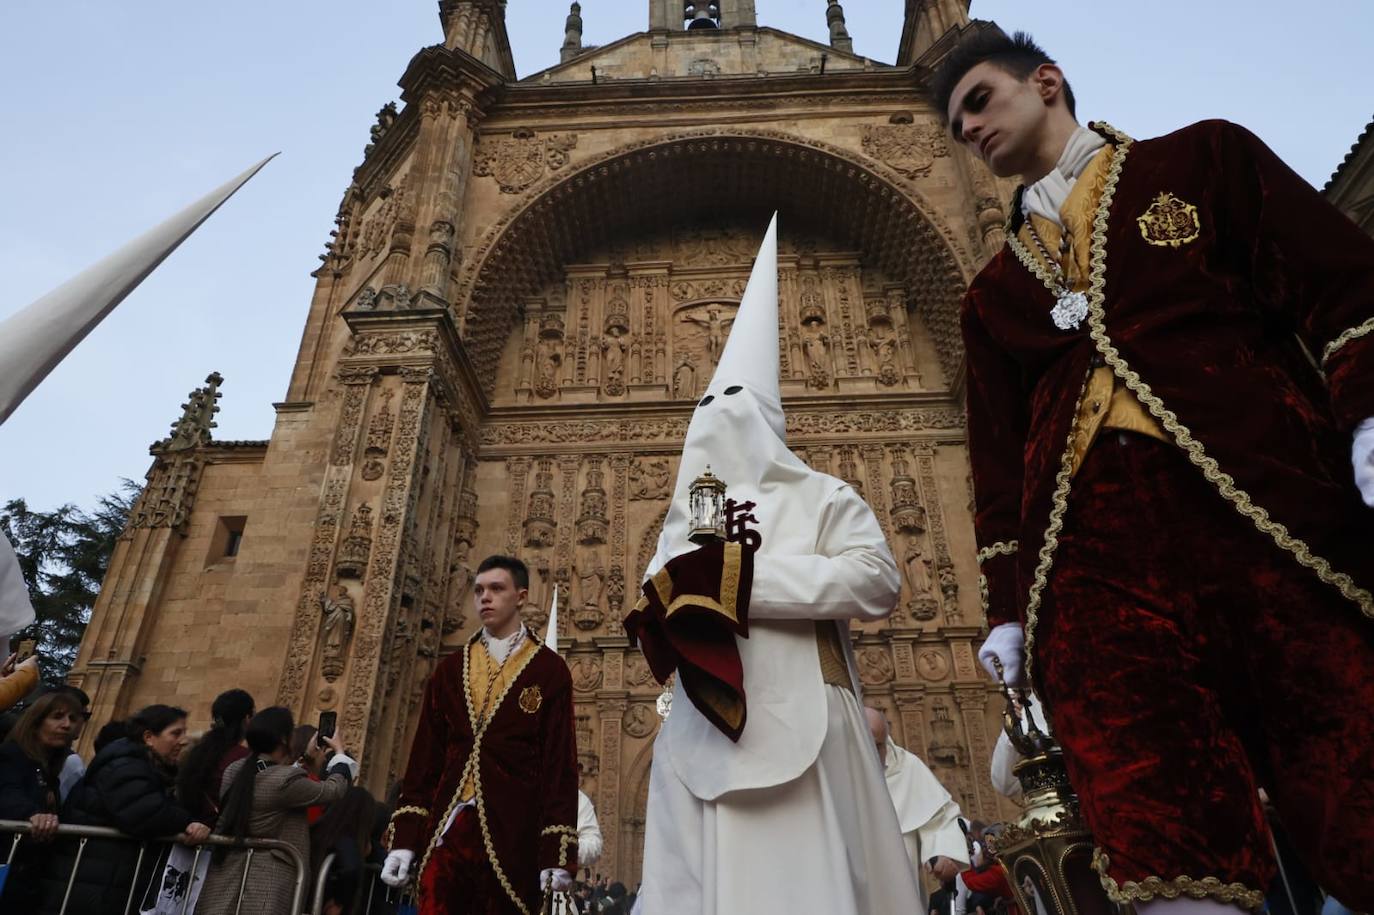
[
  {"x": 816, "y": 348},
  {"x": 716, "y": 330},
  {"x": 549, "y": 359},
  {"x": 613, "y": 350},
  {"x": 916, "y": 568},
  {"x": 883, "y": 342},
  {"x": 339, "y": 619},
  {"x": 685, "y": 378}
]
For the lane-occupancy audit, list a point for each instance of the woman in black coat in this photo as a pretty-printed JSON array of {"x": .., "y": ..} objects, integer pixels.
[
  {"x": 30, "y": 761},
  {"x": 128, "y": 786}
]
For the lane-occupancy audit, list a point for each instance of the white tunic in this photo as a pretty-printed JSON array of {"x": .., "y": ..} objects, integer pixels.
[
  {"x": 742, "y": 828},
  {"x": 927, "y": 815}
]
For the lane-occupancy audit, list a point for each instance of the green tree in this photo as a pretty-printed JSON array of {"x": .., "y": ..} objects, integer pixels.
[{"x": 64, "y": 554}]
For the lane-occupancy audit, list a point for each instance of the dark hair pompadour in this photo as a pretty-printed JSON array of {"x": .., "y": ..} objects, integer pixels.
[
  {"x": 1017, "y": 54},
  {"x": 518, "y": 572}
]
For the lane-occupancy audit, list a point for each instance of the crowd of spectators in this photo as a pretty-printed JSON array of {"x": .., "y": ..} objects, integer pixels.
[{"x": 251, "y": 774}]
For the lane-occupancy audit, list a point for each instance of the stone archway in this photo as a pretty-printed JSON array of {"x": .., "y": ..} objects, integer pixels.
[{"x": 704, "y": 175}]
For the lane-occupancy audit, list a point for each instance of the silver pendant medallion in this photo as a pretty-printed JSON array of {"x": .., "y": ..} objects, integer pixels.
[{"x": 1069, "y": 310}]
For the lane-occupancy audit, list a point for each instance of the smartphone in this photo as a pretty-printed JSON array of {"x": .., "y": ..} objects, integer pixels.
[
  {"x": 24, "y": 650},
  {"x": 328, "y": 721}
]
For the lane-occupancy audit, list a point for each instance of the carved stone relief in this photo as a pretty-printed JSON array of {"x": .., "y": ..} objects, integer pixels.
[{"x": 521, "y": 159}]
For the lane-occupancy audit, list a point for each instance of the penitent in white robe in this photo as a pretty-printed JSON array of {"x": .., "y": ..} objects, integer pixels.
[
  {"x": 826, "y": 839},
  {"x": 928, "y": 816}
]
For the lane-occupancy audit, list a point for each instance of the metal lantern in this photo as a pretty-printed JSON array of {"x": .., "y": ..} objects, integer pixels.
[
  {"x": 1048, "y": 852},
  {"x": 707, "y": 499}
]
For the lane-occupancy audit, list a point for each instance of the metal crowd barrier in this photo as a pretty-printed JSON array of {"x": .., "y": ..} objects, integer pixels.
[
  {"x": 84, "y": 834},
  {"x": 395, "y": 899}
]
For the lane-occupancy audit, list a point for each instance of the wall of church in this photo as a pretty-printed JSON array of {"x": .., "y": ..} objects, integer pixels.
[{"x": 705, "y": 53}]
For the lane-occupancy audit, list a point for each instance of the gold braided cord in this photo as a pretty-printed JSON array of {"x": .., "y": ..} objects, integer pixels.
[
  {"x": 1063, "y": 481},
  {"x": 474, "y": 770},
  {"x": 1353, "y": 333},
  {"x": 1151, "y": 888},
  {"x": 554, "y": 830},
  {"x": 1000, "y": 548},
  {"x": 1225, "y": 484},
  {"x": 563, "y": 844}
]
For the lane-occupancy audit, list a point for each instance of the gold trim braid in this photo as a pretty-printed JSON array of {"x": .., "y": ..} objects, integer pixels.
[
  {"x": 1000, "y": 548},
  {"x": 1158, "y": 888},
  {"x": 1348, "y": 335}
]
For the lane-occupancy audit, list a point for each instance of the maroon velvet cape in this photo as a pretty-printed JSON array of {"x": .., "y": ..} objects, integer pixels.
[
  {"x": 526, "y": 763},
  {"x": 687, "y": 620},
  {"x": 1219, "y": 328}
]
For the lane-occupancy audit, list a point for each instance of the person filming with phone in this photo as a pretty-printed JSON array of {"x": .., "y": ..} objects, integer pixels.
[{"x": 265, "y": 796}]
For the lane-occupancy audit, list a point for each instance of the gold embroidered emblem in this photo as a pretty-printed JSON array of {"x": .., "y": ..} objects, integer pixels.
[
  {"x": 531, "y": 699},
  {"x": 1169, "y": 221}
]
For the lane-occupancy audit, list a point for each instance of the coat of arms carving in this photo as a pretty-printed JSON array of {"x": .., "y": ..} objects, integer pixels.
[
  {"x": 909, "y": 148},
  {"x": 521, "y": 159}
]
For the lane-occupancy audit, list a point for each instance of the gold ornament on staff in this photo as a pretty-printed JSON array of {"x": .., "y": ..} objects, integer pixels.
[{"x": 1048, "y": 852}]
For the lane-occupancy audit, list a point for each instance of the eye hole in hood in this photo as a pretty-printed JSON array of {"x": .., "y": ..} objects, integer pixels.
[
  {"x": 734, "y": 389},
  {"x": 707, "y": 399}
]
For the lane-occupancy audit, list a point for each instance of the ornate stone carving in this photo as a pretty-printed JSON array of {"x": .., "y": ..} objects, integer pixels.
[
  {"x": 591, "y": 586},
  {"x": 713, "y": 325},
  {"x": 637, "y": 671},
  {"x": 875, "y": 666},
  {"x": 799, "y": 424},
  {"x": 419, "y": 341},
  {"x": 908, "y": 515},
  {"x": 651, "y": 480},
  {"x": 521, "y": 159},
  {"x": 378, "y": 226},
  {"x": 591, "y": 520},
  {"x": 639, "y": 720},
  {"x": 378, "y": 438},
  {"x": 816, "y": 349},
  {"x": 339, "y": 618},
  {"x": 357, "y": 546},
  {"x": 586, "y": 672},
  {"x": 932, "y": 664},
  {"x": 910, "y": 149},
  {"x": 192, "y": 429},
  {"x": 540, "y": 526},
  {"x": 916, "y": 570},
  {"x": 549, "y": 356}
]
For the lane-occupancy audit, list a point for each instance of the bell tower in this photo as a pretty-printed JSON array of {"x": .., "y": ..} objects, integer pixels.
[{"x": 690, "y": 15}]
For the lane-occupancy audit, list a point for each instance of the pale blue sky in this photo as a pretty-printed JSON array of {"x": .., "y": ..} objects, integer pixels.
[{"x": 120, "y": 113}]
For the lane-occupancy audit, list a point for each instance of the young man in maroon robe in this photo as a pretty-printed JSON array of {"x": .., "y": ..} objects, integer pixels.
[
  {"x": 1170, "y": 376},
  {"x": 488, "y": 806}
]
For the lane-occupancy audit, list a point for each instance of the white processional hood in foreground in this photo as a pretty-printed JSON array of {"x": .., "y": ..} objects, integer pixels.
[
  {"x": 738, "y": 428},
  {"x": 551, "y": 636},
  {"x": 36, "y": 338}
]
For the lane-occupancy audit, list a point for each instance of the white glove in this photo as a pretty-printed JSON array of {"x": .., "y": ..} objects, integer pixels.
[
  {"x": 1362, "y": 456},
  {"x": 1007, "y": 643},
  {"x": 560, "y": 880},
  {"x": 396, "y": 868},
  {"x": 345, "y": 760}
]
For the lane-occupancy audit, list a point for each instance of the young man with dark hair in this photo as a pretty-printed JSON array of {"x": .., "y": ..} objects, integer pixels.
[
  {"x": 1170, "y": 376},
  {"x": 489, "y": 800}
]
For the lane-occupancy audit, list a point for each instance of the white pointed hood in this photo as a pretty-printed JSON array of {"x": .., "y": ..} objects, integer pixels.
[
  {"x": 551, "y": 634},
  {"x": 738, "y": 429},
  {"x": 34, "y": 340}
]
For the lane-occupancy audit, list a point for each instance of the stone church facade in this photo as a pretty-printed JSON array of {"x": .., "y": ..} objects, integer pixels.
[{"x": 526, "y": 289}]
